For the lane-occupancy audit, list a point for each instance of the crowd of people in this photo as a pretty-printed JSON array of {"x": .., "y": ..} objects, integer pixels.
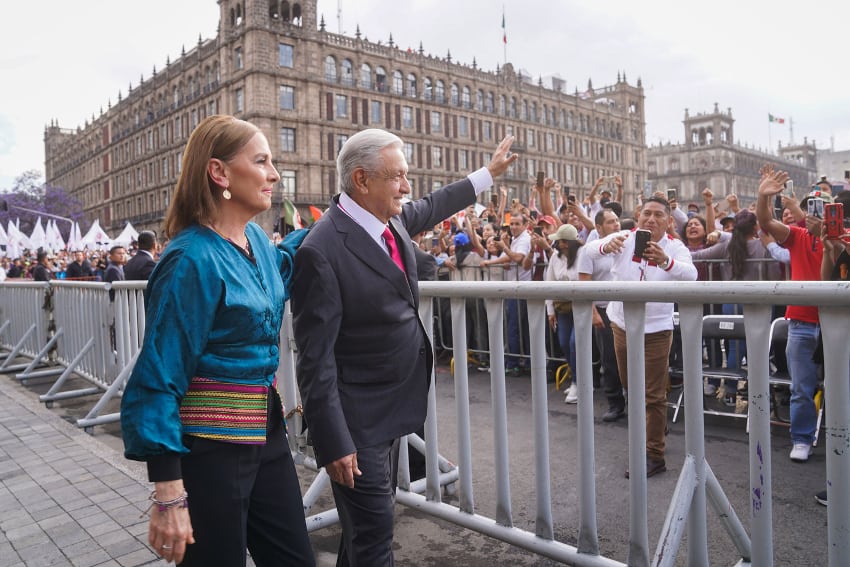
[{"x": 201, "y": 407}]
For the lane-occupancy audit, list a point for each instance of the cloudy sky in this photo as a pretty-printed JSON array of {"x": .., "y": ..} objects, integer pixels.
[{"x": 65, "y": 60}]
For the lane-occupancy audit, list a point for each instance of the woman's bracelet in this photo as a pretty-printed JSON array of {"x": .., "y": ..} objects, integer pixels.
[{"x": 181, "y": 501}]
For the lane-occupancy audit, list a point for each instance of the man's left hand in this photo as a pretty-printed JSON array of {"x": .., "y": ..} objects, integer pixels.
[{"x": 501, "y": 159}]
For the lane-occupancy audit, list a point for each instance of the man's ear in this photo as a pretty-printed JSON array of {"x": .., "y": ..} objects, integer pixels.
[
  {"x": 359, "y": 177},
  {"x": 218, "y": 172}
]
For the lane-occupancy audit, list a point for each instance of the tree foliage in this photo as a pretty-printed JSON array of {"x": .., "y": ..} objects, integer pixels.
[{"x": 31, "y": 192}]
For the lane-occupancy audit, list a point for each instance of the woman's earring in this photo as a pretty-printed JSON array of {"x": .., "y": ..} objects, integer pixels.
[{"x": 226, "y": 194}]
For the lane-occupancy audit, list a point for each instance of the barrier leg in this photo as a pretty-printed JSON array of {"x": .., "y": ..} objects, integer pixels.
[
  {"x": 16, "y": 350},
  {"x": 93, "y": 417},
  {"x": 53, "y": 394}
]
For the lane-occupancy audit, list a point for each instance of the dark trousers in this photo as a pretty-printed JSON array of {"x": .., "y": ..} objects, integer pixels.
[
  {"x": 245, "y": 496},
  {"x": 610, "y": 374},
  {"x": 366, "y": 511}
]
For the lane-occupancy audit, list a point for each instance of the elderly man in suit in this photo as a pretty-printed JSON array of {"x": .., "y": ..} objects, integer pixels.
[
  {"x": 364, "y": 359},
  {"x": 140, "y": 266}
]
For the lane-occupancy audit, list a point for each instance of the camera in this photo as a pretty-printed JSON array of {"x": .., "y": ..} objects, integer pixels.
[
  {"x": 642, "y": 237},
  {"x": 435, "y": 242},
  {"x": 815, "y": 207},
  {"x": 571, "y": 199},
  {"x": 834, "y": 213}
]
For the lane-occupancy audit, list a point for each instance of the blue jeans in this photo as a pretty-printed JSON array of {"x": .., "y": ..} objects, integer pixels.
[
  {"x": 735, "y": 351},
  {"x": 567, "y": 339},
  {"x": 802, "y": 341},
  {"x": 516, "y": 314}
]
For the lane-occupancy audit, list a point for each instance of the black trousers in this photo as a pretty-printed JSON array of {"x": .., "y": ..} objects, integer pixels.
[
  {"x": 366, "y": 511},
  {"x": 610, "y": 374},
  {"x": 245, "y": 496}
]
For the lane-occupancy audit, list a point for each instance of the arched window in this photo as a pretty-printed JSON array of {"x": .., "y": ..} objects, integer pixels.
[
  {"x": 488, "y": 103},
  {"x": 330, "y": 69},
  {"x": 239, "y": 14},
  {"x": 274, "y": 9},
  {"x": 411, "y": 85},
  {"x": 440, "y": 94},
  {"x": 347, "y": 77},
  {"x": 571, "y": 121},
  {"x": 466, "y": 98},
  {"x": 284, "y": 11},
  {"x": 545, "y": 114},
  {"x": 534, "y": 112},
  {"x": 524, "y": 110},
  {"x": 455, "y": 96},
  {"x": 296, "y": 14},
  {"x": 513, "y": 107},
  {"x": 175, "y": 97},
  {"x": 503, "y": 105},
  {"x": 427, "y": 89},
  {"x": 366, "y": 76},
  {"x": 398, "y": 83},
  {"x": 380, "y": 79}
]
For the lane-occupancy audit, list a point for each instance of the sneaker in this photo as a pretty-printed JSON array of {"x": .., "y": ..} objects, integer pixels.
[
  {"x": 613, "y": 414},
  {"x": 821, "y": 497},
  {"x": 572, "y": 394},
  {"x": 730, "y": 399},
  {"x": 800, "y": 452},
  {"x": 709, "y": 389}
]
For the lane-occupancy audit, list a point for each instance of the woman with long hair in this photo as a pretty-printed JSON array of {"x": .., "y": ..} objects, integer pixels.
[
  {"x": 201, "y": 407},
  {"x": 563, "y": 267}
]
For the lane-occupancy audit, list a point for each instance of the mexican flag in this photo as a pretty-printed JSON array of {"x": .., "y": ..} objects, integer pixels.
[
  {"x": 291, "y": 215},
  {"x": 772, "y": 118}
]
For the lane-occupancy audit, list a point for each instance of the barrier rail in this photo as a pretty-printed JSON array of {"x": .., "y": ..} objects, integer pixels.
[{"x": 25, "y": 325}]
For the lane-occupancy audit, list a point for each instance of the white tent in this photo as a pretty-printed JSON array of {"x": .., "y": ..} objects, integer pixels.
[
  {"x": 96, "y": 238},
  {"x": 38, "y": 238},
  {"x": 75, "y": 238},
  {"x": 127, "y": 236}
]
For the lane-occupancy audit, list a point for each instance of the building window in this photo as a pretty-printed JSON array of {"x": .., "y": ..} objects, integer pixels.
[
  {"x": 585, "y": 148},
  {"x": 341, "y": 139},
  {"x": 240, "y": 102},
  {"x": 398, "y": 83},
  {"x": 341, "y": 106},
  {"x": 465, "y": 98},
  {"x": 347, "y": 77},
  {"x": 285, "y": 55},
  {"x": 463, "y": 160},
  {"x": 488, "y": 104},
  {"x": 287, "y": 97},
  {"x": 455, "y": 95},
  {"x": 529, "y": 136},
  {"x": 479, "y": 100},
  {"x": 330, "y": 69},
  {"x": 427, "y": 89},
  {"x": 503, "y": 105},
  {"x": 585, "y": 176},
  {"x": 437, "y": 156},
  {"x": 164, "y": 170},
  {"x": 440, "y": 91},
  {"x": 463, "y": 126},
  {"x": 436, "y": 122},
  {"x": 287, "y": 139},
  {"x": 287, "y": 183},
  {"x": 380, "y": 80},
  {"x": 411, "y": 85},
  {"x": 376, "y": 117},
  {"x": 366, "y": 76},
  {"x": 488, "y": 130},
  {"x": 408, "y": 152},
  {"x": 407, "y": 117},
  {"x": 237, "y": 64}
]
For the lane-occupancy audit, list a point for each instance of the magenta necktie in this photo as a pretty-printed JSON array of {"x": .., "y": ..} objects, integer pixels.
[{"x": 394, "y": 253}]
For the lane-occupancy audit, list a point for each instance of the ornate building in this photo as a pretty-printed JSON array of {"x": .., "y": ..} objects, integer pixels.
[
  {"x": 274, "y": 64},
  {"x": 711, "y": 158}
]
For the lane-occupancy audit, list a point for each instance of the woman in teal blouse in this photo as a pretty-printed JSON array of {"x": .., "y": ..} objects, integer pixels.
[{"x": 201, "y": 407}]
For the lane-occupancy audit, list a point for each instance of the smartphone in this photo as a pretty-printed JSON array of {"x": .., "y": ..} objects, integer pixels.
[
  {"x": 435, "y": 242},
  {"x": 641, "y": 240},
  {"x": 834, "y": 214},
  {"x": 540, "y": 176},
  {"x": 789, "y": 186},
  {"x": 815, "y": 207},
  {"x": 777, "y": 207},
  {"x": 494, "y": 199},
  {"x": 497, "y": 237},
  {"x": 538, "y": 230},
  {"x": 671, "y": 194},
  {"x": 847, "y": 174}
]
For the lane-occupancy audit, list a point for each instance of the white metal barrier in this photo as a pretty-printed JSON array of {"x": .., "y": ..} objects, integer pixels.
[{"x": 24, "y": 322}]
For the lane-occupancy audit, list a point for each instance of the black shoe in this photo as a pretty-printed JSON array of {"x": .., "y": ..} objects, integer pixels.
[
  {"x": 653, "y": 467},
  {"x": 821, "y": 497},
  {"x": 613, "y": 414},
  {"x": 730, "y": 400}
]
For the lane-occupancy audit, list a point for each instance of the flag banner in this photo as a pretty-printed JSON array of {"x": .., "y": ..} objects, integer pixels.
[
  {"x": 293, "y": 218},
  {"x": 504, "y": 31},
  {"x": 772, "y": 118},
  {"x": 315, "y": 212}
]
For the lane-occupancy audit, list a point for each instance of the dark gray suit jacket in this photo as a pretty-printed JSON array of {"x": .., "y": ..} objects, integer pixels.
[
  {"x": 139, "y": 267},
  {"x": 364, "y": 360}
]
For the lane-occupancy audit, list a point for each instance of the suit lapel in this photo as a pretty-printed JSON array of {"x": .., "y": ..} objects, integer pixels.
[{"x": 361, "y": 246}]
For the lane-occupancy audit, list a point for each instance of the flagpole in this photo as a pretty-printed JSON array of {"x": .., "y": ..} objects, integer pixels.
[
  {"x": 769, "y": 142},
  {"x": 504, "y": 38}
]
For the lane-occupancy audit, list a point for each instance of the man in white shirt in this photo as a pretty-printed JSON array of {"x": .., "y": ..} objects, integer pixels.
[{"x": 664, "y": 259}]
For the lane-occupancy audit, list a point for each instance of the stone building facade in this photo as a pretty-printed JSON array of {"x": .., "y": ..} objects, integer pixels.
[
  {"x": 710, "y": 157},
  {"x": 274, "y": 64}
]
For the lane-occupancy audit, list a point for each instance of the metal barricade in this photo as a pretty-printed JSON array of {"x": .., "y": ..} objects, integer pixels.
[{"x": 24, "y": 322}]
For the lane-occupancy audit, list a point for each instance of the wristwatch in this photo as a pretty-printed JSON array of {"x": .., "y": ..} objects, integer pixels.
[{"x": 666, "y": 264}]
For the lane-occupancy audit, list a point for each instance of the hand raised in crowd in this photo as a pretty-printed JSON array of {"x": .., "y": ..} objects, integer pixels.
[
  {"x": 502, "y": 158},
  {"x": 615, "y": 245},
  {"x": 618, "y": 181},
  {"x": 712, "y": 238},
  {"x": 707, "y": 197},
  {"x": 550, "y": 184},
  {"x": 772, "y": 181},
  {"x": 732, "y": 199},
  {"x": 540, "y": 241}
]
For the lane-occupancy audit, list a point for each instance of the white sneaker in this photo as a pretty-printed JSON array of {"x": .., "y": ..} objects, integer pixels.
[
  {"x": 709, "y": 389},
  {"x": 800, "y": 452},
  {"x": 572, "y": 394}
]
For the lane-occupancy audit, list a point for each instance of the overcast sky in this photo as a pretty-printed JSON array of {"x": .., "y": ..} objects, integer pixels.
[{"x": 65, "y": 60}]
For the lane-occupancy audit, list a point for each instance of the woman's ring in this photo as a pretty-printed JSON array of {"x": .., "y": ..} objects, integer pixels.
[{"x": 166, "y": 546}]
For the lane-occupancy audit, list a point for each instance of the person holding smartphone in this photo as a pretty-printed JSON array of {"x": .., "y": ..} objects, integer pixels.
[{"x": 648, "y": 254}]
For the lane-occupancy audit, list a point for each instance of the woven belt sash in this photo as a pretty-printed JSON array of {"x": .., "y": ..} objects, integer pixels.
[{"x": 235, "y": 413}]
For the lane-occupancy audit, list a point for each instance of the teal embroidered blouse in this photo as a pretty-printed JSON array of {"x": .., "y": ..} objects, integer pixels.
[{"x": 211, "y": 312}]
